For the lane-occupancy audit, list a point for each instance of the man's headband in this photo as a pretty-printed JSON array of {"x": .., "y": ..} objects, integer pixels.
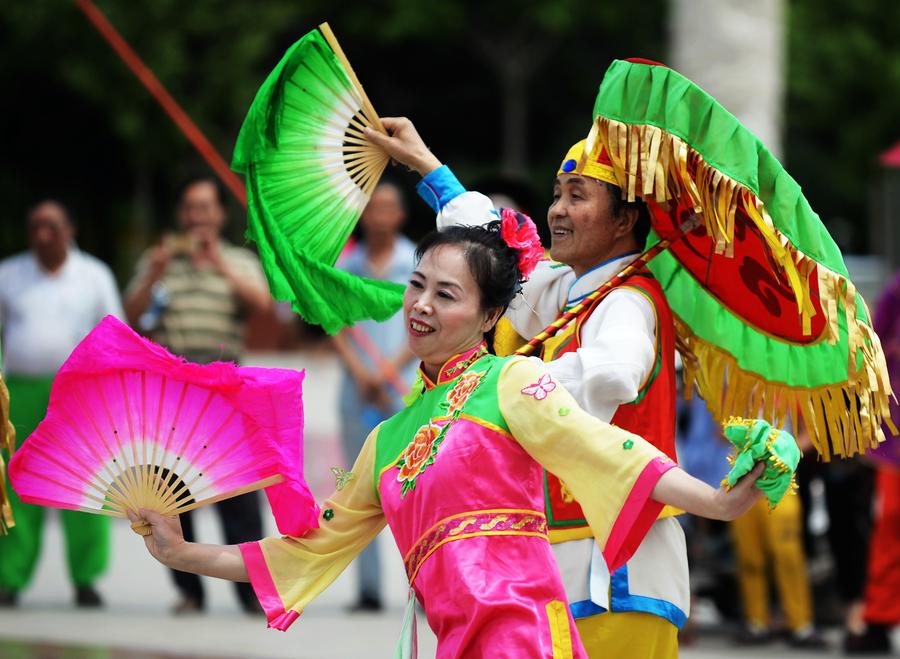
[{"x": 600, "y": 169}]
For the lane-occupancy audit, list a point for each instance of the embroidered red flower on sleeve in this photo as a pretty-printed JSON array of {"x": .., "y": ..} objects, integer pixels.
[
  {"x": 541, "y": 388},
  {"x": 464, "y": 387}
]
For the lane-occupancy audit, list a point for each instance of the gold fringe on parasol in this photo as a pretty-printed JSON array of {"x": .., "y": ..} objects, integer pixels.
[
  {"x": 652, "y": 163},
  {"x": 849, "y": 413}
]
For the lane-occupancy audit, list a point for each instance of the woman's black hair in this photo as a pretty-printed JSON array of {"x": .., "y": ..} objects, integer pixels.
[{"x": 494, "y": 264}]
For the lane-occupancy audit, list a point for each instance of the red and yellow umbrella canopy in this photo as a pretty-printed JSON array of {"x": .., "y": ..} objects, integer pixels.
[{"x": 768, "y": 320}]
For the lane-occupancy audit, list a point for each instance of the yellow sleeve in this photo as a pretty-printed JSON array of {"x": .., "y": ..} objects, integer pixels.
[
  {"x": 287, "y": 573},
  {"x": 609, "y": 471}
]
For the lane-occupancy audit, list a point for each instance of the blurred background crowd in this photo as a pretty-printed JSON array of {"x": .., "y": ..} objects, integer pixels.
[{"x": 108, "y": 209}]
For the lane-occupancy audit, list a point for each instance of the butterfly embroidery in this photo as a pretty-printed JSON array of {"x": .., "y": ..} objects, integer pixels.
[
  {"x": 341, "y": 478},
  {"x": 541, "y": 388}
]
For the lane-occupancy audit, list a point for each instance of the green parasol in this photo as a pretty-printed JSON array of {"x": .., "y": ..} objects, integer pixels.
[
  {"x": 309, "y": 174},
  {"x": 768, "y": 320}
]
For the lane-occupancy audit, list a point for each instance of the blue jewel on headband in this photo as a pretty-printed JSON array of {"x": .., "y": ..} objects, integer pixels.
[{"x": 569, "y": 165}]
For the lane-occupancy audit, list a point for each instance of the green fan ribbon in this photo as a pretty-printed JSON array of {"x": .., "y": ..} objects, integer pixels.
[
  {"x": 322, "y": 294},
  {"x": 258, "y": 132},
  {"x": 757, "y": 441}
]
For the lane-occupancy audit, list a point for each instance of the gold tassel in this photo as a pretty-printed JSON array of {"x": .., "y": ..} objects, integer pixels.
[
  {"x": 651, "y": 173},
  {"x": 7, "y": 442},
  {"x": 633, "y": 152},
  {"x": 633, "y": 160},
  {"x": 852, "y": 427}
]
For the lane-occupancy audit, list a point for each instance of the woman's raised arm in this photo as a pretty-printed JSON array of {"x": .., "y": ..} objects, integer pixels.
[
  {"x": 620, "y": 480},
  {"x": 404, "y": 145}
]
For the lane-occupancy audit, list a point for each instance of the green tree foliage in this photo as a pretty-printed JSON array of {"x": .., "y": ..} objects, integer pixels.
[
  {"x": 491, "y": 84},
  {"x": 83, "y": 128},
  {"x": 843, "y": 105}
]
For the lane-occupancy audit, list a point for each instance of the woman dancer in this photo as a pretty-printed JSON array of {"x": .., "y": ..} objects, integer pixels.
[{"x": 457, "y": 474}]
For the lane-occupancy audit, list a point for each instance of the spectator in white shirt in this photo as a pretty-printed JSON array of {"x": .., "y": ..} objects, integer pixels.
[{"x": 50, "y": 297}]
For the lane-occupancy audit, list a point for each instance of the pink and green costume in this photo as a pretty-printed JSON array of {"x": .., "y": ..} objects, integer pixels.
[{"x": 458, "y": 477}]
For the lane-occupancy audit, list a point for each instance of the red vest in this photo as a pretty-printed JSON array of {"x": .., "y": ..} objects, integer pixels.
[{"x": 651, "y": 415}]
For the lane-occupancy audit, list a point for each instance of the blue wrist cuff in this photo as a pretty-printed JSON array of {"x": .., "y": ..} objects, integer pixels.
[{"x": 439, "y": 188}]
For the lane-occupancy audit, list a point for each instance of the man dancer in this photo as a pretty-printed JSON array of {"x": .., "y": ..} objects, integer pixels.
[{"x": 616, "y": 358}]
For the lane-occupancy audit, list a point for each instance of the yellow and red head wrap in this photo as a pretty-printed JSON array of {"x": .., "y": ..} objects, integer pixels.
[{"x": 599, "y": 168}]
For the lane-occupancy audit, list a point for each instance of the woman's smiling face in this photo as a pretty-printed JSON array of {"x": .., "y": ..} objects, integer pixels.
[{"x": 442, "y": 308}]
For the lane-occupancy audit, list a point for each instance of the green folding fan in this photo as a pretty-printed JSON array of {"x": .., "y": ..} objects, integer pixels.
[{"x": 309, "y": 173}]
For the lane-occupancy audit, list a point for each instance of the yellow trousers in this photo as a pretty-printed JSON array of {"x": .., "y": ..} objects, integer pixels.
[
  {"x": 628, "y": 635},
  {"x": 775, "y": 538}
]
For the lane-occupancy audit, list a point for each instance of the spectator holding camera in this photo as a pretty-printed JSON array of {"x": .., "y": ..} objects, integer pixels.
[
  {"x": 194, "y": 291},
  {"x": 193, "y": 294}
]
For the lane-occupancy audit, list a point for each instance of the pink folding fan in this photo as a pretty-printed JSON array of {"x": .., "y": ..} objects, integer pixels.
[{"x": 131, "y": 426}]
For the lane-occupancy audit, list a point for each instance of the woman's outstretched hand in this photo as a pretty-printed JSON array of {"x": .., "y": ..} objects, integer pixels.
[
  {"x": 679, "y": 489},
  {"x": 731, "y": 504},
  {"x": 404, "y": 145},
  {"x": 166, "y": 544},
  {"x": 165, "y": 538}
]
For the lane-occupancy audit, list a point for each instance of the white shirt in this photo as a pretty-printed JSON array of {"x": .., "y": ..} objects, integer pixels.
[
  {"x": 617, "y": 344},
  {"x": 615, "y": 356},
  {"x": 43, "y": 316},
  {"x": 617, "y": 350}
]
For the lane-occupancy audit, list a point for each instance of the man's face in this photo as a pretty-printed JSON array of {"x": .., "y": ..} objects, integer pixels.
[
  {"x": 384, "y": 214},
  {"x": 583, "y": 230},
  {"x": 49, "y": 233},
  {"x": 199, "y": 210}
]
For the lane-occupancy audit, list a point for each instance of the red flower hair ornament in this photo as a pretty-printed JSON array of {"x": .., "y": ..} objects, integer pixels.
[{"x": 520, "y": 233}]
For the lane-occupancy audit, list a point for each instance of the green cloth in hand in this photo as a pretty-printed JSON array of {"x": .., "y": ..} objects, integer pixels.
[{"x": 757, "y": 441}]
